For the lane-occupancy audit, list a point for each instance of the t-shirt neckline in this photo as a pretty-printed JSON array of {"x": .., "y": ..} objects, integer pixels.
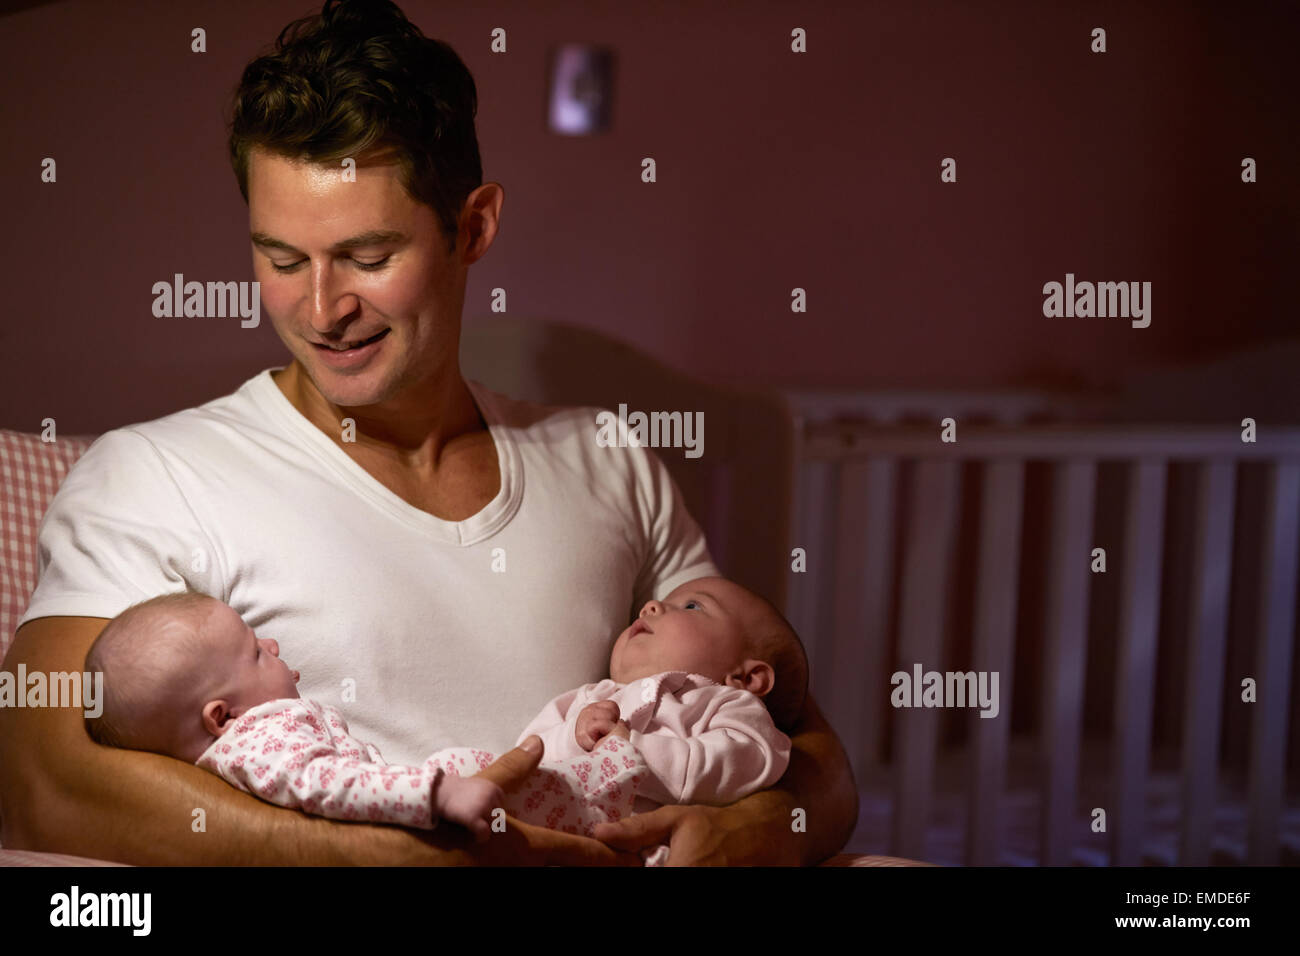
[{"x": 488, "y": 520}]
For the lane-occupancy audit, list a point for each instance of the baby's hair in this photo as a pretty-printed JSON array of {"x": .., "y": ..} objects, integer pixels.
[
  {"x": 777, "y": 643},
  {"x": 131, "y": 654}
]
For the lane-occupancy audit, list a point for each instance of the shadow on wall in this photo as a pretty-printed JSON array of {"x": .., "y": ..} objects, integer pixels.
[
  {"x": 738, "y": 489},
  {"x": 1262, "y": 383}
]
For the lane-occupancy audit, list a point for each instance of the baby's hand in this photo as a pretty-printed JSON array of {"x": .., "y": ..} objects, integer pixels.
[
  {"x": 469, "y": 801},
  {"x": 594, "y": 722}
]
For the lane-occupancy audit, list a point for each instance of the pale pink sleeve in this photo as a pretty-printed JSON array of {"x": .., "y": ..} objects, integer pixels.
[
  {"x": 292, "y": 758},
  {"x": 731, "y": 750},
  {"x": 556, "y": 723}
]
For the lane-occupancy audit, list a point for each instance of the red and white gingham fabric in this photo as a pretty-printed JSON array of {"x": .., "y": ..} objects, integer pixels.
[{"x": 30, "y": 473}]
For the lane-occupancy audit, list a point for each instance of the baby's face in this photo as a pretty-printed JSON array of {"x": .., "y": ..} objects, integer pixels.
[
  {"x": 699, "y": 628},
  {"x": 247, "y": 670}
]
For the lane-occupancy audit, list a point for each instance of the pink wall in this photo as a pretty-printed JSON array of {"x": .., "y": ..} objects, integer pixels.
[{"x": 775, "y": 170}]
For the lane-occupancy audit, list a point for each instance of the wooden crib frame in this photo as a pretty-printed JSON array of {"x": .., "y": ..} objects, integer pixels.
[{"x": 861, "y": 487}]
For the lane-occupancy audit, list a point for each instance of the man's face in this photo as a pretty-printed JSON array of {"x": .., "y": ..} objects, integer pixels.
[{"x": 355, "y": 276}]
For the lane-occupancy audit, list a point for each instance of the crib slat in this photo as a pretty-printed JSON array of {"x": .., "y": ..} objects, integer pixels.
[
  {"x": 1135, "y": 675},
  {"x": 1073, "y": 495},
  {"x": 1273, "y": 663},
  {"x": 994, "y": 645},
  {"x": 926, "y": 566},
  {"x": 809, "y": 593},
  {"x": 1209, "y": 600},
  {"x": 864, "y": 557}
]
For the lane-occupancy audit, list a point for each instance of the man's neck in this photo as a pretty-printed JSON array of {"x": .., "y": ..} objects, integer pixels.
[{"x": 412, "y": 428}]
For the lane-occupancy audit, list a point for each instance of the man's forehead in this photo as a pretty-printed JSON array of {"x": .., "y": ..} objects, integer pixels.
[
  {"x": 375, "y": 163},
  {"x": 294, "y": 204}
]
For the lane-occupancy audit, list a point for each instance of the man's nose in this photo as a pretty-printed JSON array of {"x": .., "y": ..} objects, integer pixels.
[{"x": 329, "y": 304}]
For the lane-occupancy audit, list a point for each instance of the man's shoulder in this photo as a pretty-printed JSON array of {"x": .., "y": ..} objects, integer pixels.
[
  {"x": 244, "y": 405},
  {"x": 230, "y": 419},
  {"x": 525, "y": 414},
  {"x": 573, "y": 432}
]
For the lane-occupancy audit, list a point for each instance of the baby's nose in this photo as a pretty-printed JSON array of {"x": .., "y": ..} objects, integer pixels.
[
  {"x": 652, "y": 607},
  {"x": 270, "y": 644}
]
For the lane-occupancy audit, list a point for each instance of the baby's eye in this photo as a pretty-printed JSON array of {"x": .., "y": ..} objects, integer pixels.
[{"x": 693, "y": 603}]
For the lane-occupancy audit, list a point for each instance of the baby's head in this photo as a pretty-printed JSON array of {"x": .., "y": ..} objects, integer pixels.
[
  {"x": 178, "y": 669},
  {"x": 716, "y": 628}
]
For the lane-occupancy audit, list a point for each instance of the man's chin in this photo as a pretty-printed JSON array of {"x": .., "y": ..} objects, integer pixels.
[{"x": 345, "y": 390}]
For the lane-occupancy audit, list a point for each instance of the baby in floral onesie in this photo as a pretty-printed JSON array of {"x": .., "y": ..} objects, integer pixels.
[
  {"x": 681, "y": 720},
  {"x": 186, "y": 677}
]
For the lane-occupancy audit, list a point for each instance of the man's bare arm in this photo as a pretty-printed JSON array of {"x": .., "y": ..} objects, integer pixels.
[
  {"x": 61, "y": 792},
  {"x": 820, "y": 781}
]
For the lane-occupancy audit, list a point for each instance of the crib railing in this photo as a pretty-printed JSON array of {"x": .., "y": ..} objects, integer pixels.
[{"x": 896, "y": 525}]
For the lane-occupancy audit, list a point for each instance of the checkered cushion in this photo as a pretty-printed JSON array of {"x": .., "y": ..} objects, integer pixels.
[{"x": 30, "y": 473}]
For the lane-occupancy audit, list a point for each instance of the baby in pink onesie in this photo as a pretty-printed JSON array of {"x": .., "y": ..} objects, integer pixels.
[{"x": 701, "y": 684}]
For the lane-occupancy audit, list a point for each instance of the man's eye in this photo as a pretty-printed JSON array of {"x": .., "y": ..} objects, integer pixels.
[{"x": 367, "y": 266}]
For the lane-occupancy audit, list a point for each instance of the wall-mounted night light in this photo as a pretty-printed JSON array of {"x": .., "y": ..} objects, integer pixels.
[{"x": 582, "y": 82}]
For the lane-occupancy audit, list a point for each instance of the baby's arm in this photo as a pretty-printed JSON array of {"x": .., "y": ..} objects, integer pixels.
[
  {"x": 732, "y": 749},
  {"x": 288, "y": 758},
  {"x": 552, "y": 724}
]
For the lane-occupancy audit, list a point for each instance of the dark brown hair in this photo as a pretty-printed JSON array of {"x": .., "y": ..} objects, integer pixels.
[
  {"x": 357, "y": 78},
  {"x": 779, "y": 645}
]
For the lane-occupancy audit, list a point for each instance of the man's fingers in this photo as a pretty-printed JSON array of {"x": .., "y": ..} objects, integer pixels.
[
  {"x": 511, "y": 768},
  {"x": 640, "y": 829},
  {"x": 567, "y": 849}
]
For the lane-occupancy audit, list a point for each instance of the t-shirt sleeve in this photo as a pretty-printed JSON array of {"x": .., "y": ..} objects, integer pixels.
[
  {"x": 117, "y": 532},
  {"x": 676, "y": 550}
]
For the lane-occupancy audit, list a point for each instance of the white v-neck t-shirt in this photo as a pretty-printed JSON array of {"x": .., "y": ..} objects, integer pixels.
[{"x": 424, "y": 633}]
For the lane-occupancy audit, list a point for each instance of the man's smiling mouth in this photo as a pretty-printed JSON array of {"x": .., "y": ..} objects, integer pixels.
[{"x": 349, "y": 346}]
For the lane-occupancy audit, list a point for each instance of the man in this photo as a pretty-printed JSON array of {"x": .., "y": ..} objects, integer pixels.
[{"x": 436, "y": 559}]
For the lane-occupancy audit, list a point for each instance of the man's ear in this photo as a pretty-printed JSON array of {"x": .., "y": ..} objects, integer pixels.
[
  {"x": 757, "y": 677},
  {"x": 217, "y": 717}
]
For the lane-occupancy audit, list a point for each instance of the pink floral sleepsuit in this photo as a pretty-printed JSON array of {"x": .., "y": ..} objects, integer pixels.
[{"x": 692, "y": 741}]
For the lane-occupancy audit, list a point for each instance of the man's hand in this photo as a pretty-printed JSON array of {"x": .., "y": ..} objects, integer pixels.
[
  {"x": 759, "y": 830},
  {"x": 595, "y": 721},
  {"x": 699, "y": 835},
  {"x": 526, "y": 845}
]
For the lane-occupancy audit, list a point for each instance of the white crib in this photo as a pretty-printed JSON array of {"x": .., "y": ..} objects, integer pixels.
[{"x": 914, "y": 554}]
